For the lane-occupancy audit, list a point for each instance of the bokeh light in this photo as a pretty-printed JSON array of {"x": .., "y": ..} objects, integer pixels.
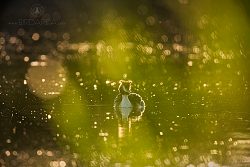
[{"x": 46, "y": 78}]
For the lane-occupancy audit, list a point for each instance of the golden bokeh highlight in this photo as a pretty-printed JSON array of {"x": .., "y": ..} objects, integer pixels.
[{"x": 46, "y": 79}]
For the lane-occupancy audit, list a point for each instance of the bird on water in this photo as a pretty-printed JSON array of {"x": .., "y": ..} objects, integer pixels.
[{"x": 126, "y": 101}]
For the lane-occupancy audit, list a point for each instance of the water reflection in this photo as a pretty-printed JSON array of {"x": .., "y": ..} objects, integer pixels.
[
  {"x": 141, "y": 139},
  {"x": 127, "y": 116}
]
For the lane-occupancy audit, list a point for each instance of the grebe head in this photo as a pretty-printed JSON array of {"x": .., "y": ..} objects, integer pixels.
[{"x": 125, "y": 87}]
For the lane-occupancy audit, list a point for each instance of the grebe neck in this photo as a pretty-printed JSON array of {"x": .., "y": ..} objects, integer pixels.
[{"x": 125, "y": 101}]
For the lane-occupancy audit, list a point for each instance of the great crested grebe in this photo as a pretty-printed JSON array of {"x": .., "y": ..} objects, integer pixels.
[
  {"x": 129, "y": 108},
  {"x": 127, "y": 101}
]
